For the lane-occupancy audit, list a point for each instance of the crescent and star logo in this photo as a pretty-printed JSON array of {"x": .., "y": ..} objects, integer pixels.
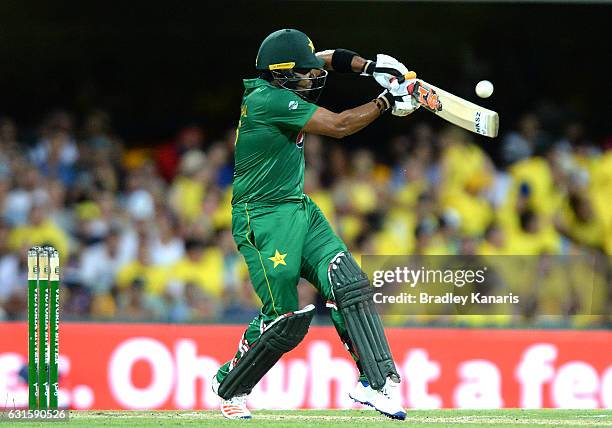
[{"x": 299, "y": 141}]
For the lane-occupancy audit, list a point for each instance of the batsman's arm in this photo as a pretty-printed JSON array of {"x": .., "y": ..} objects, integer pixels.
[
  {"x": 339, "y": 125},
  {"x": 346, "y": 61}
]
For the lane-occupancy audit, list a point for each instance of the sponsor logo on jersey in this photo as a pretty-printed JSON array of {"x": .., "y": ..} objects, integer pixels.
[
  {"x": 293, "y": 105},
  {"x": 299, "y": 141}
]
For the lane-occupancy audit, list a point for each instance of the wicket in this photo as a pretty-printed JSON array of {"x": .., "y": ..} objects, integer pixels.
[{"x": 43, "y": 325}]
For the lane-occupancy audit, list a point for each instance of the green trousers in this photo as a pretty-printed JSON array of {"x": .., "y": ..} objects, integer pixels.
[{"x": 282, "y": 243}]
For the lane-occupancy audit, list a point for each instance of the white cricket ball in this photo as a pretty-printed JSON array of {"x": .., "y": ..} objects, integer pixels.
[{"x": 484, "y": 89}]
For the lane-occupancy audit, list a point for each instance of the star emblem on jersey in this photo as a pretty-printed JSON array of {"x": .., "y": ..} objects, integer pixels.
[{"x": 278, "y": 259}]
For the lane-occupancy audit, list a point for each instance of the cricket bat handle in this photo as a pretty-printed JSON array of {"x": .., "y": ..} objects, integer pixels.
[{"x": 408, "y": 76}]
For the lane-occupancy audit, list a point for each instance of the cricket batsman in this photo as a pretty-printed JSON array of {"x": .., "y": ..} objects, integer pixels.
[{"x": 283, "y": 235}]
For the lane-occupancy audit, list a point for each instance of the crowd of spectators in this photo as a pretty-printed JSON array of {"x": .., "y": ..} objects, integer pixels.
[{"x": 144, "y": 233}]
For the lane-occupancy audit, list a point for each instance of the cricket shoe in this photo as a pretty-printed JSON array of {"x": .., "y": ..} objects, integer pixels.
[
  {"x": 235, "y": 407},
  {"x": 363, "y": 393},
  {"x": 387, "y": 401}
]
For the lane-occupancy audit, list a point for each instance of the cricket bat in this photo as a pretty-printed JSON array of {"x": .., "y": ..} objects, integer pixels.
[{"x": 456, "y": 110}]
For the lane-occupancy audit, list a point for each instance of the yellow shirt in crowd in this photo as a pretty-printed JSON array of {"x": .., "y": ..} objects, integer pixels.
[
  {"x": 45, "y": 233},
  {"x": 187, "y": 196},
  {"x": 155, "y": 277},
  {"x": 207, "y": 273}
]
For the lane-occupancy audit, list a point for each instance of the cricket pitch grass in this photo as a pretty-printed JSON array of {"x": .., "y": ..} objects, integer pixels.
[{"x": 338, "y": 418}]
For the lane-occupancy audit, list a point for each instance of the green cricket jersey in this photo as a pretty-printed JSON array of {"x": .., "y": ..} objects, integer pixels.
[{"x": 269, "y": 152}]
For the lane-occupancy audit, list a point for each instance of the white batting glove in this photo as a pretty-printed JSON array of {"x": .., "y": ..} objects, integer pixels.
[
  {"x": 404, "y": 102},
  {"x": 404, "y": 106},
  {"x": 388, "y": 70}
]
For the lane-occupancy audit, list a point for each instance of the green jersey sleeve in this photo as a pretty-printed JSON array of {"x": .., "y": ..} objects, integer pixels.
[{"x": 288, "y": 111}]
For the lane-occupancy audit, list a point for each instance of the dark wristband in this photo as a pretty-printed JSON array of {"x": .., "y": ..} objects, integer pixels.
[
  {"x": 384, "y": 102},
  {"x": 390, "y": 99},
  {"x": 341, "y": 60},
  {"x": 369, "y": 68}
]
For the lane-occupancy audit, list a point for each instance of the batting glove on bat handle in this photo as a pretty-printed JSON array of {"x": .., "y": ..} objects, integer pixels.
[
  {"x": 388, "y": 70},
  {"x": 402, "y": 85},
  {"x": 403, "y": 106}
]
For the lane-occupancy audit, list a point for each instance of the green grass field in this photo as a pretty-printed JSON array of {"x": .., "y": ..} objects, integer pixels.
[{"x": 339, "y": 418}]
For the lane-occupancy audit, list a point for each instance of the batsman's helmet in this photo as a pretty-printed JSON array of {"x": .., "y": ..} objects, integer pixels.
[{"x": 285, "y": 52}]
